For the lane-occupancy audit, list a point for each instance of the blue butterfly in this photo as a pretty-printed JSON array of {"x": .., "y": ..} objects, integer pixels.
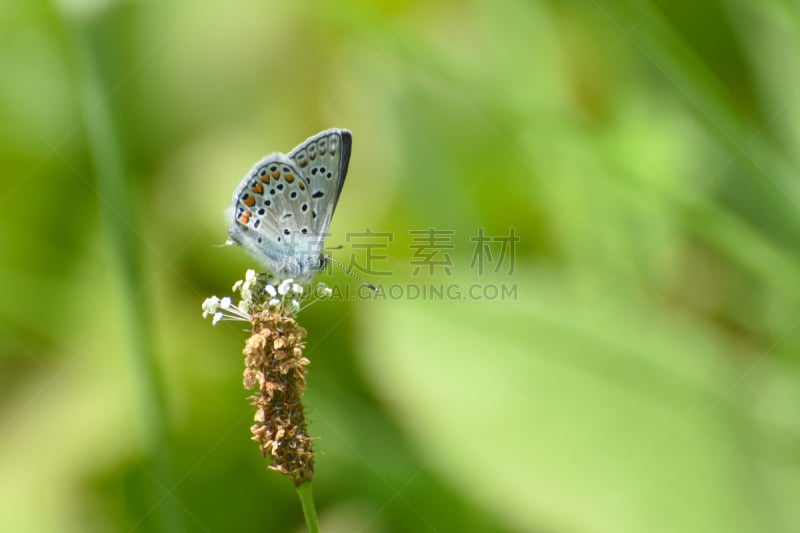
[{"x": 282, "y": 209}]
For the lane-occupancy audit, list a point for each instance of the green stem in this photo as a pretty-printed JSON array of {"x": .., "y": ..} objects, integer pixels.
[
  {"x": 309, "y": 511},
  {"x": 118, "y": 218}
]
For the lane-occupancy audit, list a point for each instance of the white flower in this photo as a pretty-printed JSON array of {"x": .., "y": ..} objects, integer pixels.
[
  {"x": 284, "y": 296},
  {"x": 246, "y": 287},
  {"x": 223, "y": 309},
  {"x": 247, "y": 294},
  {"x": 249, "y": 281},
  {"x": 210, "y": 306},
  {"x": 322, "y": 290},
  {"x": 283, "y": 288}
]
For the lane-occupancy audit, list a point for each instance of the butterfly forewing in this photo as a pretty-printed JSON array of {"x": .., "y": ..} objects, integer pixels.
[{"x": 323, "y": 161}]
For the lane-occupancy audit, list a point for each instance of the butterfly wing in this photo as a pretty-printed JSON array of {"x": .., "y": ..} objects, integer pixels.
[
  {"x": 323, "y": 160},
  {"x": 271, "y": 217}
]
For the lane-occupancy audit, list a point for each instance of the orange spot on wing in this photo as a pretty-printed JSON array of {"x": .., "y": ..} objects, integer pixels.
[
  {"x": 302, "y": 185},
  {"x": 245, "y": 218},
  {"x": 276, "y": 174},
  {"x": 250, "y": 201},
  {"x": 304, "y": 162},
  {"x": 258, "y": 188},
  {"x": 265, "y": 179},
  {"x": 289, "y": 178}
]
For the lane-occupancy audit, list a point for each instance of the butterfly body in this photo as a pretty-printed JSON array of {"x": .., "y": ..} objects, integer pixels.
[{"x": 282, "y": 209}]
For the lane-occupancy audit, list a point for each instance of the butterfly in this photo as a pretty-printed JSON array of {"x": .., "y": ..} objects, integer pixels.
[{"x": 282, "y": 209}]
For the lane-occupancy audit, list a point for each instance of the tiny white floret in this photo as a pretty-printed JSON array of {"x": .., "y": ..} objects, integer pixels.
[
  {"x": 283, "y": 288},
  {"x": 210, "y": 306}
]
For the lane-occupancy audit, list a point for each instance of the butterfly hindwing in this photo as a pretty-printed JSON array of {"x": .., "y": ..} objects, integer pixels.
[{"x": 272, "y": 215}]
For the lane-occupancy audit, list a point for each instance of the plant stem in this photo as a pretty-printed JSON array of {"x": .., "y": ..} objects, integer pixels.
[
  {"x": 309, "y": 511},
  {"x": 118, "y": 218}
]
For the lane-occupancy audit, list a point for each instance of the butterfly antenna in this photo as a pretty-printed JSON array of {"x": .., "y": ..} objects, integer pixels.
[{"x": 351, "y": 273}]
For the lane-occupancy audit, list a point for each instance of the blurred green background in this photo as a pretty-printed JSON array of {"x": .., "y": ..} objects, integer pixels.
[{"x": 644, "y": 378}]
